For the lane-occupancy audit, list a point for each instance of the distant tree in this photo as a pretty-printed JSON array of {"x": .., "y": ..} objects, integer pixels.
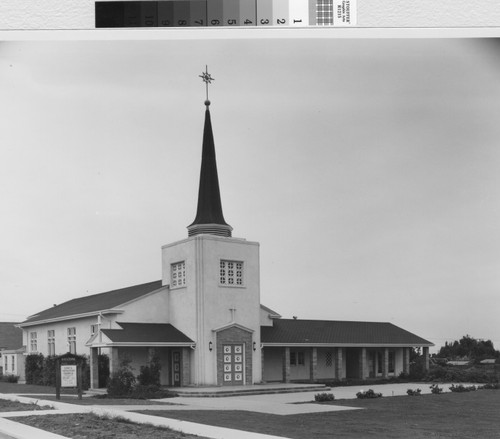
[{"x": 469, "y": 347}]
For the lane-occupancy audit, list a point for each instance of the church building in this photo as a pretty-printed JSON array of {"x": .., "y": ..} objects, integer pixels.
[{"x": 204, "y": 319}]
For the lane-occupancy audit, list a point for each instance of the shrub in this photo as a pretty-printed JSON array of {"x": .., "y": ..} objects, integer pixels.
[
  {"x": 33, "y": 368},
  {"x": 490, "y": 386},
  {"x": 462, "y": 388},
  {"x": 150, "y": 392},
  {"x": 368, "y": 394},
  {"x": 416, "y": 392},
  {"x": 323, "y": 397},
  {"x": 9, "y": 378},
  {"x": 41, "y": 370},
  {"x": 436, "y": 389},
  {"x": 122, "y": 381},
  {"x": 150, "y": 374}
]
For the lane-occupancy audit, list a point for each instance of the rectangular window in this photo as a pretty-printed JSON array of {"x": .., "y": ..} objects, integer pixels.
[
  {"x": 231, "y": 273},
  {"x": 51, "y": 342},
  {"x": 93, "y": 329},
  {"x": 178, "y": 275},
  {"x": 301, "y": 359},
  {"x": 297, "y": 358},
  {"x": 33, "y": 342},
  {"x": 392, "y": 361},
  {"x": 72, "y": 340},
  {"x": 13, "y": 363}
]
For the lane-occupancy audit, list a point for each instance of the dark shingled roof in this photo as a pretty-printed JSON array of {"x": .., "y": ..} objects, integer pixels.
[
  {"x": 10, "y": 336},
  {"x": 96, "y": 302},
  {"x": 146, "y": 333},
  {"x": 291, "y": 331}
]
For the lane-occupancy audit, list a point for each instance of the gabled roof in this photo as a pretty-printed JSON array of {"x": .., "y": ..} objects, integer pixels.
[
  {"x": 269, "y": 311},
  {"x": 146, "y": 333},
  {"x": 95, "y": 302},
  {"x": 329, "y": 332},
  {"x": 10, "y": 336}
]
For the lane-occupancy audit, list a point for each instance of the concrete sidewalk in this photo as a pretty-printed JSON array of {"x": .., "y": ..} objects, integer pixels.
[{"x": 278, "y": 404}]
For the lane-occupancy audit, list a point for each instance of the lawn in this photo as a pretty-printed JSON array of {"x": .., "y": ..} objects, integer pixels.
[{"x": 450, "y": 415}]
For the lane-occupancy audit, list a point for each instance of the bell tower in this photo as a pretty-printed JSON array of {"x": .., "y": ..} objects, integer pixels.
[{"x": 214, "y": 281}]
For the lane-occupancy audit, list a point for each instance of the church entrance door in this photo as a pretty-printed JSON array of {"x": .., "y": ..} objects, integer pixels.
[{"x": 233, "y": 356}]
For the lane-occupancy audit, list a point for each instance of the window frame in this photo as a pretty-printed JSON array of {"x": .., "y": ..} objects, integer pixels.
[
  {"x": 72, "y": 340},
  {"x": 51, "y": 342},
  {"x": 178, "y": 277},
  {"x": 231, "y": 276},
  {"x": 33, "y": 341}
]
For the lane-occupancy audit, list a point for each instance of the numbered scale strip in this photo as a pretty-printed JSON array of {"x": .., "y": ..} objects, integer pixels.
[{"x": 202, "y": 13}]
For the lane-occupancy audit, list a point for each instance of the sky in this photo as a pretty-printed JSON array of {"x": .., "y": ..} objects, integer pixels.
[{"x": 367, "y": 169}]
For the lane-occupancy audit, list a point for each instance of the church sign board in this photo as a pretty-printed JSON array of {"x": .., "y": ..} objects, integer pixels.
[{"x": 68, "y": 374}]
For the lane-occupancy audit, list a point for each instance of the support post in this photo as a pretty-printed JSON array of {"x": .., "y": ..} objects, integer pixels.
[
  {"x": 286, "y": 365},
  {"x": 362, "y": 363},
  {"x": 94, "y": 368},
  {"x": 406, "y": 360},
  {"x": 385, "y": 364},
  {"x": 426, "y": 359},
  {"x": 339, "y": 364},
  {"x": 313, "y": 365}
]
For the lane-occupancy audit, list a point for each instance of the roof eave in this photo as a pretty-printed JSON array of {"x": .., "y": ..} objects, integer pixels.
[
  {"x": 70, "y": 317},
  {"x": 349, "y": 345},
  {"x": 142, "y": 344}
]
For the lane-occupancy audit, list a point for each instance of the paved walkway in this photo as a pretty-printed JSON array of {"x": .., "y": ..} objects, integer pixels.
[{"x": 278, "y": 404}]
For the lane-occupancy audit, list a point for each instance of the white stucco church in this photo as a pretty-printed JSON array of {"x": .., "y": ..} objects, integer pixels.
[{"x": 205, "y": 321}]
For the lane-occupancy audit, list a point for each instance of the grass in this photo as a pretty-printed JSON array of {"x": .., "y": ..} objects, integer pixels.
[
  {"x": 450, "y": 415},
  {"x": 88, "y": 425}
]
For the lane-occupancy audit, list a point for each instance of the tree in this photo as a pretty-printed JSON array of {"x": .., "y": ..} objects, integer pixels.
[{"x": 470, "y": 348}]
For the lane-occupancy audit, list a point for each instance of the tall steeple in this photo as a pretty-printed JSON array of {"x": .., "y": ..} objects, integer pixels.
[{"x": 209, "y": 217}]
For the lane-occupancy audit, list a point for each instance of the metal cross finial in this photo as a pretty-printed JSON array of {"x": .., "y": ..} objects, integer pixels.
[{"x": 207, "y": 79}]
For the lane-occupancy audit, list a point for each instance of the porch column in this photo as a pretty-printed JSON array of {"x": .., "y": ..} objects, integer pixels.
[
  {"x": 262, "y": 353},
  {"x": 406, "y": 360},
  {"x": 114, "y": 361},
  {"x": 313, "y": 365},
  {"x": 286, "y": 365},
  {"x": 385, "y": 363},
  {"x": 362, "y": 363},
  {"x": 338, "y": 364},
  {"x": 426, "y": 359},
  {"x": 94, "y": 368}
]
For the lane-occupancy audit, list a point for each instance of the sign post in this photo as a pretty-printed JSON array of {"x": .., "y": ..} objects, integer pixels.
[{"x": 68, "y": 374}]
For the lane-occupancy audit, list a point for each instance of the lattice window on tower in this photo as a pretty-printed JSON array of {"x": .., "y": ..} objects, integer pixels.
[
  {"x": 329, "y": 359},
  {"x": 324, "y": 12},
  {"x": 231, "y": 273},
  {"x": 178, "y": 275}
]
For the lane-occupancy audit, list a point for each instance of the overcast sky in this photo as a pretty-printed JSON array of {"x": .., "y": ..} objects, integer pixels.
[{"x": 368, "y": 170}]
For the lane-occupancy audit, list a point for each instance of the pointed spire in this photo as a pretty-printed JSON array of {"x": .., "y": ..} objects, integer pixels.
[{"x": 209, "y": 217}]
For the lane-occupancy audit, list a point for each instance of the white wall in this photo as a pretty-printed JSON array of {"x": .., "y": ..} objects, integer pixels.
[
  {"x": 203, "y": 305},
  {"x": 152, "y": 308},
  {"x": 61, "y": 336}
]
